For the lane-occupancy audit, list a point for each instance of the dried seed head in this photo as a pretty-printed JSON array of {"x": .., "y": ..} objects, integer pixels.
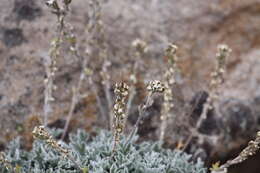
[
  {"x": 218, "y": 74},
  {"x": 170, "y": 53},
  {"x": 42, "y": 134},
  {"x": 223, "y": 50},
  {"x": 88, "y": 71},
  {"x": 140, "y": 45},
  {"x": 121, "y": 89},
  {"x": 53, "y": 4},
  {"x": 155, "y": 86},
  {"x": 133, "y": 78},
  {"x": 121, "y": 92},
  {"x": 171, "y": 49},
  {"x": 222, "y": 55}
]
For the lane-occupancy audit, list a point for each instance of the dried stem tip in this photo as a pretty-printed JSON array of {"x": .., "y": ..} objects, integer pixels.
[
  {"x": 170, "y": 53},
  {"x": 53, "y": 4},
  {"x": 140, "y": 45},
  {"x": 218, "y": 74},
  {"x": 42, "y": 134},
  {"x": 223, "y": 51},
  {"x": 155, "y": 86}
]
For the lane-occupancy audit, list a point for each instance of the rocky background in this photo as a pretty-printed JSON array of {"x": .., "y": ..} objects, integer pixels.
[{"x": 197, "y": 27}]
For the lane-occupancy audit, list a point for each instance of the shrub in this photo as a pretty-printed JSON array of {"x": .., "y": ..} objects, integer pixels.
[{"x": 95, "y": 155}]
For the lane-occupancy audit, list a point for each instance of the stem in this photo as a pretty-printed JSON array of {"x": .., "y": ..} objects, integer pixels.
[
  {"x": 142, "y": 110},
  {"x": 99, "y": 103},
  {"x": 132, "y": 91},
  {"x": 206, "y": 108},
  {"x": 75, "y": 97},
  {"x": 107, "y": 93}
]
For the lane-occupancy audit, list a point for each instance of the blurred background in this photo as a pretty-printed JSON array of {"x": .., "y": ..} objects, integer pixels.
[{"x": 196, "y": 27}]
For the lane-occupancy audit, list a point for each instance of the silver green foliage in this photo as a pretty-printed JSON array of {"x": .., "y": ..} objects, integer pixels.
[{"x": 94, "y": 154}]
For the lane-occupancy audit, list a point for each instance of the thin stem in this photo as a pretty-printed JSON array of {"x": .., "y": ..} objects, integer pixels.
[
  {"x": 51, "y": 61},
  {"x": 216, "y": 81},
  {"x": 99, "y": 103},
  {"x": 206, "y": 108},
  {"x": 132, "y": 91},
  {"x": 130, "y": 101},
  {"x": 107, "y": 86},
  {"x": 75, "y": 97},
  {"x": 141, "y": 110}
]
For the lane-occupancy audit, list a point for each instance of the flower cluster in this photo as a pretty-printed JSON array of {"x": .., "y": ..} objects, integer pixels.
[
  {"x": 155, "y": 86},
  {"x": 169, "y": 81},
  {"x": 218, "y": 74},
  {"x": 140, "y": 46},
  {"x": 121, "y": 92},
  {"x": 53, "y": 4},
  {"x": 42, "y": 134},
  {"x": 170, "y": 53}
]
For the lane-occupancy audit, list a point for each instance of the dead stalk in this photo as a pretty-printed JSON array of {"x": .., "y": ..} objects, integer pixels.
[{"x": 216, "y": 81}]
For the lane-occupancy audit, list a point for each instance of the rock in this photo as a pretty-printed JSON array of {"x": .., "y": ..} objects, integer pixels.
[
  {"x": 12, "y": 37},
  {"x": 26, "y": 10},
  {"x": 237, "y": 119}
]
